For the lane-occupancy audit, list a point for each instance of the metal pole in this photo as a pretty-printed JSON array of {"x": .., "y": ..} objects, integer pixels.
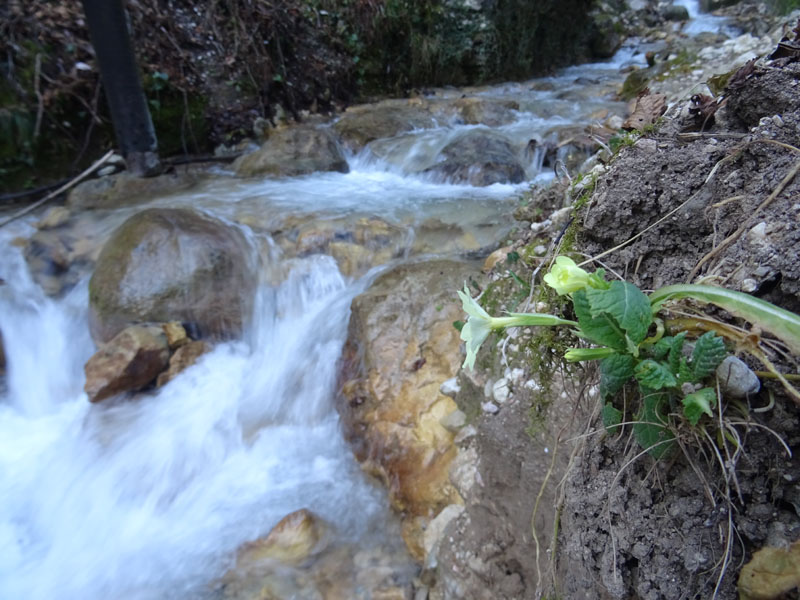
[{"x": 123, "y": 89}]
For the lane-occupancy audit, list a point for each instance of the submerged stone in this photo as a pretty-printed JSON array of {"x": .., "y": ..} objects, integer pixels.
[{"x": 294, "y": 151}]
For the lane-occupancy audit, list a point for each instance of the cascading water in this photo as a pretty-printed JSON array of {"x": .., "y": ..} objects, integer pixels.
[{"x": 150, "y": 497}]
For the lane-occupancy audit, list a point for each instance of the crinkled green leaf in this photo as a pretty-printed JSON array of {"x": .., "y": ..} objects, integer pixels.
[
  {"x": 615, "y": 371},
  {"x": 611, "y": 417},
  {"x": 675, "y": 352},
  {"x": 601, "y": 330},
  {"x": 661, "y": 348},
  {"x": 626, "y": 304},
  {"x": 654, "y": 375},
  {"x": 685, "y": 372},
  {"x": 651, "y": 429},
  {"x": 709, "y": 351},
  {"x": 698, "y": 403}
]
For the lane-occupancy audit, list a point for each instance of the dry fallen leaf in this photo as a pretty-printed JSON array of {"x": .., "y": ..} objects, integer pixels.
[
  {"x": 771, "y": 573},
  {"x": 649, "y": 107}
]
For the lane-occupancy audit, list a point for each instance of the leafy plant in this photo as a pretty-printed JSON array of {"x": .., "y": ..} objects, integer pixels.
[{"x": 628, "y": 337}]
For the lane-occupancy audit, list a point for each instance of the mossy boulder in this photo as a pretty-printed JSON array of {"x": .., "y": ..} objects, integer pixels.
[
  {"x": 294, "y": 151},
  {"x": 173, "y": 265}
]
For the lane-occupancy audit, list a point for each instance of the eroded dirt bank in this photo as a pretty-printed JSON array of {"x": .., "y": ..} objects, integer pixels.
[{"x": 717, "y": 206}]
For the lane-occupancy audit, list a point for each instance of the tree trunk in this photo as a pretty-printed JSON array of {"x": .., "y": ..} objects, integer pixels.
[{"x": 123, "y": 89}]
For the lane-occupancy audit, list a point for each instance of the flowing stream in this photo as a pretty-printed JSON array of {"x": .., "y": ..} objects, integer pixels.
[{"x": 150, "y": 498}]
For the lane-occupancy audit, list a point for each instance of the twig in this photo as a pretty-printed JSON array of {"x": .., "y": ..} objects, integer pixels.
[
  {"x": 59, "y": 191},
  {"x": 746, "y": 223}
]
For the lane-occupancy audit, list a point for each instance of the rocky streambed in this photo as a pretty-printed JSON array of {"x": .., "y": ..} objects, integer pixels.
[{"x": 277, "y": 405}]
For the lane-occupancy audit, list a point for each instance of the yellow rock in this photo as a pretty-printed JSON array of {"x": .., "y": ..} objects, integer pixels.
[
  {"x": 401, "y": 347},
  {"x": 176, "y": 334},
  {"x": 295, "y": 538}
]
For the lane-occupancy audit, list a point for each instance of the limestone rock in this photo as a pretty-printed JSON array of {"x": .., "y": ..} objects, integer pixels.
[
  {"x": 184, "y": 357},
  {"x": 479, "y": 158},
  {"x": 400, "y": 350},
  {"x": 294, "y": 151},
  {"x": 360, "y": 125},
  {"x": 55, "y": 217},
  {"x": 125, "y": 189},
  {"x": 130, "y": 361},
  {"x": 292, "y": 541},
  {"x": 176, "y": 335},
  {"x": 485, "y": 111},
  {"x": 166, "y": 265}
]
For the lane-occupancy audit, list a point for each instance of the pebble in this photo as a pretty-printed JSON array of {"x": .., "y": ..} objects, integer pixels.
[
  {"x": 777, "y": 121},
  {"x": 749, "y": 285},
  {"x": 737, "y": 379},
  {"x": 758, "y": 233},
  {"x": 500, "y": 391},
  {"x": 454, "y": 421},
  {"x": 106, "y": 171},
  {"x": 450, "y": 387},
  {"x": 490, "y": 408}
]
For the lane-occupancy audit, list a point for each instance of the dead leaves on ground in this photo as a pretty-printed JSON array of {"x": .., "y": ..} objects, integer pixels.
[
  {"x": 648, "y": 108},
  {"x": 771, "y": 573}
]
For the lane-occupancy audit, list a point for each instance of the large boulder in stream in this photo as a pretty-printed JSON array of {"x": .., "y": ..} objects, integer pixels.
[
  {"x": 294, "y": 151},
  {"x": 401, "y": 347},
  {"x": 480, "y": 158},
  {"x": 168, "y": 264}
]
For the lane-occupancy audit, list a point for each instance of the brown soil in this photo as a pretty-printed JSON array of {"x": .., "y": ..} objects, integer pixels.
[{"x": 636, "y": 528}]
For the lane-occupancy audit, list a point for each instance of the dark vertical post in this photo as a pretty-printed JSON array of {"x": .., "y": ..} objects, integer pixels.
[{"x": 133, "y": 126}]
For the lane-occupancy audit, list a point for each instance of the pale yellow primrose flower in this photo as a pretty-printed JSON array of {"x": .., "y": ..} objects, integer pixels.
[
  {"x": 477, "y": 328},
  {"x": 566, "y": 277}
]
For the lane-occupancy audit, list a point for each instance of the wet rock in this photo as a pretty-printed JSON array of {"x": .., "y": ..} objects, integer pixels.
[
  {"x": 294, "y": 151},
  {"x": 55, "y": 217},
  {"x": 183, "y": 358},
  {"x": 479, "y": 158},
  {"x": 47, "y": 256},
  {"x": 485, "y": 111},
  {"x": 129, "y": 361},
  {"x": 435, "y": 531},
  {"x": 675, "y": 12},
  {"x": 125, "y": 189},
  {"x": 400, "y": 350},
  {"x": 362, "y": 124},
  {"x": 166, "y": 265},
  {"x": 176, "y": 335},
  {"x": 293, "y": 540}
]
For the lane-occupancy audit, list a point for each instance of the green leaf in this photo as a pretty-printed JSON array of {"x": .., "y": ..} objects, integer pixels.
[
  {"x": 661, "y": 348},
  {"x": 685, "y": 372},
  {"x": 651, "y": 430},
  {"x": 615, "y": 371},
  {"x": 781, "y": 323},
  {"x": 675, "y": 352},
  {"x": 601, "y": 330},
  {"x": 626, "y": 304},
  {"x": 611, "y": 417},
  {"x": 654, "y": 375},
  {"x": 709, "y": 351},
  {"x": 699, "y": 402}
]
